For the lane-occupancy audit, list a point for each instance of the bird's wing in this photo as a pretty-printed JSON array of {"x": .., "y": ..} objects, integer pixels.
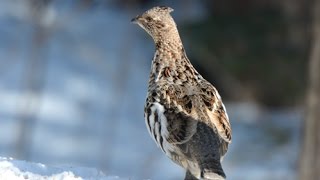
[
  {"x": 181, "y": 127},
  {"x": 185, "y": 110},
  {"x": 218, "y": 117},
  {"x": 179, "y": 124}
]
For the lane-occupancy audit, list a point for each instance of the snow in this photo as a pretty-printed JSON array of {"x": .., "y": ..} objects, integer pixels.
[{"x": 11, "y": 169}]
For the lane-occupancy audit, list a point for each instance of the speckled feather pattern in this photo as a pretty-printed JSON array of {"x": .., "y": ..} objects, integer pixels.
[{"x": 184, "y": 113}]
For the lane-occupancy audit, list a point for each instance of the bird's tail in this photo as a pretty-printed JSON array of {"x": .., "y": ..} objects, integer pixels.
[
  {"x": 212, "y": 171},
  {"x": 213, "y": 176},
  {"x": 207, "y": 174}
]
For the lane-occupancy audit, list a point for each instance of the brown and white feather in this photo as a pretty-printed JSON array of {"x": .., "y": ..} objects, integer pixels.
[{"x": 182, "y": 109}]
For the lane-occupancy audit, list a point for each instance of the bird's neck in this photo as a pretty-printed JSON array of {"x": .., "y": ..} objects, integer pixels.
[
  {"x": 169, "y": 51},
  {"x": 169, "y": 42},
  {"x": 169, "y": 59}
]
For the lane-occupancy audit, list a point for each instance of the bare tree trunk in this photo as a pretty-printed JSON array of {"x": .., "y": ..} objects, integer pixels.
[
  {"x": 310, "y": 157},
  {"x": 33, "y": 81}
]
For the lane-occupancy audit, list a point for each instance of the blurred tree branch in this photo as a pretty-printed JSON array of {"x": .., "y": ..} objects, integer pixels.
[{"x": 310, "y": 159}]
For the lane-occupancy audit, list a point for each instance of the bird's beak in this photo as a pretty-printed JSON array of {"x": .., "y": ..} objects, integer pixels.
[{"x": 136, "y": 19}]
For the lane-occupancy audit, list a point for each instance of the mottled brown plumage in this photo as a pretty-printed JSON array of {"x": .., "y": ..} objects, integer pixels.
[{"x": 184, "y": 113}]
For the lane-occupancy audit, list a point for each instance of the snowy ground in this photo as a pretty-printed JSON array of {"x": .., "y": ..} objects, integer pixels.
[
  {"x": 86, "y": 109},
  {"x": 11, "y": 169}
]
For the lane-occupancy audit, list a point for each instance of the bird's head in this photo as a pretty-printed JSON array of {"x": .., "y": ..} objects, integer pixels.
[{"x": 157, "y": 22}]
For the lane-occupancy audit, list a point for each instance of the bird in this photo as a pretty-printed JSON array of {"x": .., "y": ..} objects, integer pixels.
[{"x": 183, "y": 112}]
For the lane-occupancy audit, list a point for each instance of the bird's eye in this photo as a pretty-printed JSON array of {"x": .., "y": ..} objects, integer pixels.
[{"x": 148, "y": 19}]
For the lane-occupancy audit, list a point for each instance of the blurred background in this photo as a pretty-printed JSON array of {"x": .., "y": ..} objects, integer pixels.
[{"x": 74, "y": 73}]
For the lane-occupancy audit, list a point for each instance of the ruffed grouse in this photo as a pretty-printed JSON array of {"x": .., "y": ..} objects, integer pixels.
[{"x": 184, "y": 113}]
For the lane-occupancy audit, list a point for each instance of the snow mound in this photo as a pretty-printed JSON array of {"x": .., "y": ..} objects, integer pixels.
[{"x": 11, "y": 169}]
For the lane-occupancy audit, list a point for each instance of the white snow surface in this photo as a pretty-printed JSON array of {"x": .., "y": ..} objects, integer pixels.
[{"x": 11, "y": 169}]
